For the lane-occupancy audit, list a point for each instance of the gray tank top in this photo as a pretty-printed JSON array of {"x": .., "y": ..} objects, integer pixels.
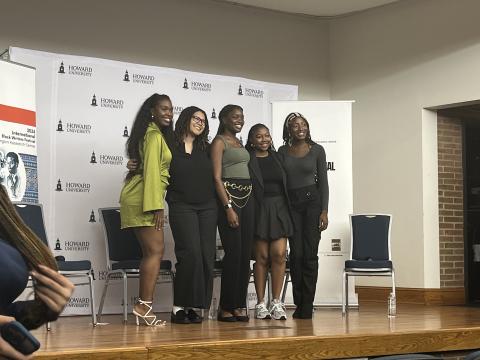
[{"x": 234, "y": 161}]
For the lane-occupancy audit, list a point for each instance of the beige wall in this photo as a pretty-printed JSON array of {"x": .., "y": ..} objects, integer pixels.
[
  {"x": 197, "y": 35},
  {"x": 394, "y": 61}
]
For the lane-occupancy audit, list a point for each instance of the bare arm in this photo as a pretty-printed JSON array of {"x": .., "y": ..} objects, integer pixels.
[{"x": 216, "y": 153}]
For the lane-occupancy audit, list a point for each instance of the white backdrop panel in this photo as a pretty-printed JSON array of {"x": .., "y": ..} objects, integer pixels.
[{"x": 81, "y": 147}]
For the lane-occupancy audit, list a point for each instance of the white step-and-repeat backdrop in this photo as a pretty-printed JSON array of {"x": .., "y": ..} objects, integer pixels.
[{"x": 85, "y": 109}]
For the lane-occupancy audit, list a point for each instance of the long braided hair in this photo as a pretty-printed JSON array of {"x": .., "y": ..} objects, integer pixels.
[
  {"x": 140, "y": 125},
  {"x": 287, "y": 139},
  {"x": 182, "y": 125}
]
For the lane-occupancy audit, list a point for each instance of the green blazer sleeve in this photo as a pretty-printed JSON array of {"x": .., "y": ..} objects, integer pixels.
[{"x": 157, "y": 158}]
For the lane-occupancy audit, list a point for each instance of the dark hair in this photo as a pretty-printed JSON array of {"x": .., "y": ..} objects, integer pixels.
[
  {"x": 14, "y": 156},
  {"x": 33, "y": 250},
  {"x": 140, "y": 125},
  {"x": 183, "y": 123},
  {"x": 19, "y": 235},
  {"x": 226, "y": 110},
  {"x": 251, "y": 134},
  {"x": 286, "y": 133}
]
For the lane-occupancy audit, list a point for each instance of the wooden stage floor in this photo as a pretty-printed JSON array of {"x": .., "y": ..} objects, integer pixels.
[{"x": 364, "y": 332}]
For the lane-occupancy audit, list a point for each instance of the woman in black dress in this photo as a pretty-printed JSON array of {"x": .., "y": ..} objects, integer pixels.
[{"x": 273, "y": 223}]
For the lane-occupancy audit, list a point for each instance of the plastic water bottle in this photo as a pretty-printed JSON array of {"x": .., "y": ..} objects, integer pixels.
[
  {"x": 212, "y": 312},
  {"x": 392, "y": 305}
]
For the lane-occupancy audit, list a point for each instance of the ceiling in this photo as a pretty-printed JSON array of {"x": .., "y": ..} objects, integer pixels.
[{"x": 320, "y": 8}]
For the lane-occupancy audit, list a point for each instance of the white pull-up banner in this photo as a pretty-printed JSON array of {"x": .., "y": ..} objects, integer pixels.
[{"x": 18, "y": 152}]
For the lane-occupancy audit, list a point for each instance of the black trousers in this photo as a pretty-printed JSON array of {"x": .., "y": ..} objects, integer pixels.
[
  {"x": 194, "y": 232},
  {"x": 237, "y": 244},
  {"x": 304, "y": 255}
]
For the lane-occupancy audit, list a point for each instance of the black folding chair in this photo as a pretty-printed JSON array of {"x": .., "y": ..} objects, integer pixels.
[
  {"x": 32, "y": 216},
  {"x": 370, "y": 253},
  {"x": 123, "y": 256}
]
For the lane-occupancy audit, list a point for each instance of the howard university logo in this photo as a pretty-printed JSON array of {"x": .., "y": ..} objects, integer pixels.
[{"x": 79, "y": 70}]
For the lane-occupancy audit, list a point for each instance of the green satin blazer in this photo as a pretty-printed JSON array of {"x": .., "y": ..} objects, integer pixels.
[{"x": 145, "y": 192}]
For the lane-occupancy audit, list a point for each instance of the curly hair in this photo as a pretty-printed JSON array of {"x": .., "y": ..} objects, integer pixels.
[
  {"x": 286, "y": 132},
  {"x": 226, "y": 110},
  {"x": 140, "y": 125},
  {"x": 251, "y": 134},
  {"x": 183, "y": 123}
]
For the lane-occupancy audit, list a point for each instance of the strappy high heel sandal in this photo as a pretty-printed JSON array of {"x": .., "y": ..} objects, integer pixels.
[{"x": 149, "y": 319}]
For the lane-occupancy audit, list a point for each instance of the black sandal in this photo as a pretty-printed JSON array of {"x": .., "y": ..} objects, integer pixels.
[{"x": 220, "y": 317}]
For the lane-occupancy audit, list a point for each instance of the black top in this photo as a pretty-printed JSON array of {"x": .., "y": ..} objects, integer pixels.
[
  {"x": 307, "y": 170},
  {"x": 13, "y": 280},
  {"x": 272, "y": 176},
  {"x": 258, "y": 181},
  {"x": 191, "y": 176}
]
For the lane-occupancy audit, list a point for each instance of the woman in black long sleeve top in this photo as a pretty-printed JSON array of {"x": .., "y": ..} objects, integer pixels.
[
  {"x": 21, "y": 252},
  {"x": 192, "y": 215},
  {"x": 305, "y": 164}
]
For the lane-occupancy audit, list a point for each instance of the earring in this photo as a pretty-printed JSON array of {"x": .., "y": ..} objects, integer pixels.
[{"x": 153, "y": 117}]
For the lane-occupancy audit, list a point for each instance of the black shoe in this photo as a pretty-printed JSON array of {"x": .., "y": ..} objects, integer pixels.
[
  {"x": 240, "y": 316},
  {"x": 307, "y": 311},
  {"x": 297, "y": 314},
  {"x": 220, "y": 317},
  {"x": 180, "y": 317},
  {"x": 306, "y": 315},
  {"x": 194, "y": 317}
]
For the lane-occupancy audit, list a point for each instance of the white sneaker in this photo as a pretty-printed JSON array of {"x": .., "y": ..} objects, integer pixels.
[
  {"x": 277, "y": 310},
  {"x": 261, "y": 311}
]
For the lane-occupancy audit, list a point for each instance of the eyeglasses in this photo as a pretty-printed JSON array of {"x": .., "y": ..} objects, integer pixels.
[{"x": 199, "y": 120}]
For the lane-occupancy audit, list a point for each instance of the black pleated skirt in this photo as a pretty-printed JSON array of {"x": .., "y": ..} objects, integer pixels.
[{"x": 273, "y": 220}]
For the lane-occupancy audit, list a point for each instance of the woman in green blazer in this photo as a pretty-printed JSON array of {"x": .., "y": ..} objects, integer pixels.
[{"x": 142, "y": 196}]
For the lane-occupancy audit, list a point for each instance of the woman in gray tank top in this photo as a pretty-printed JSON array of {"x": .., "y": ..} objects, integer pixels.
[{"x": 236, "y": 212}]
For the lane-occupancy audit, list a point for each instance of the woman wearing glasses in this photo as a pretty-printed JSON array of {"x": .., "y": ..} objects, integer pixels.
[{"x": 192, "y": 216}]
